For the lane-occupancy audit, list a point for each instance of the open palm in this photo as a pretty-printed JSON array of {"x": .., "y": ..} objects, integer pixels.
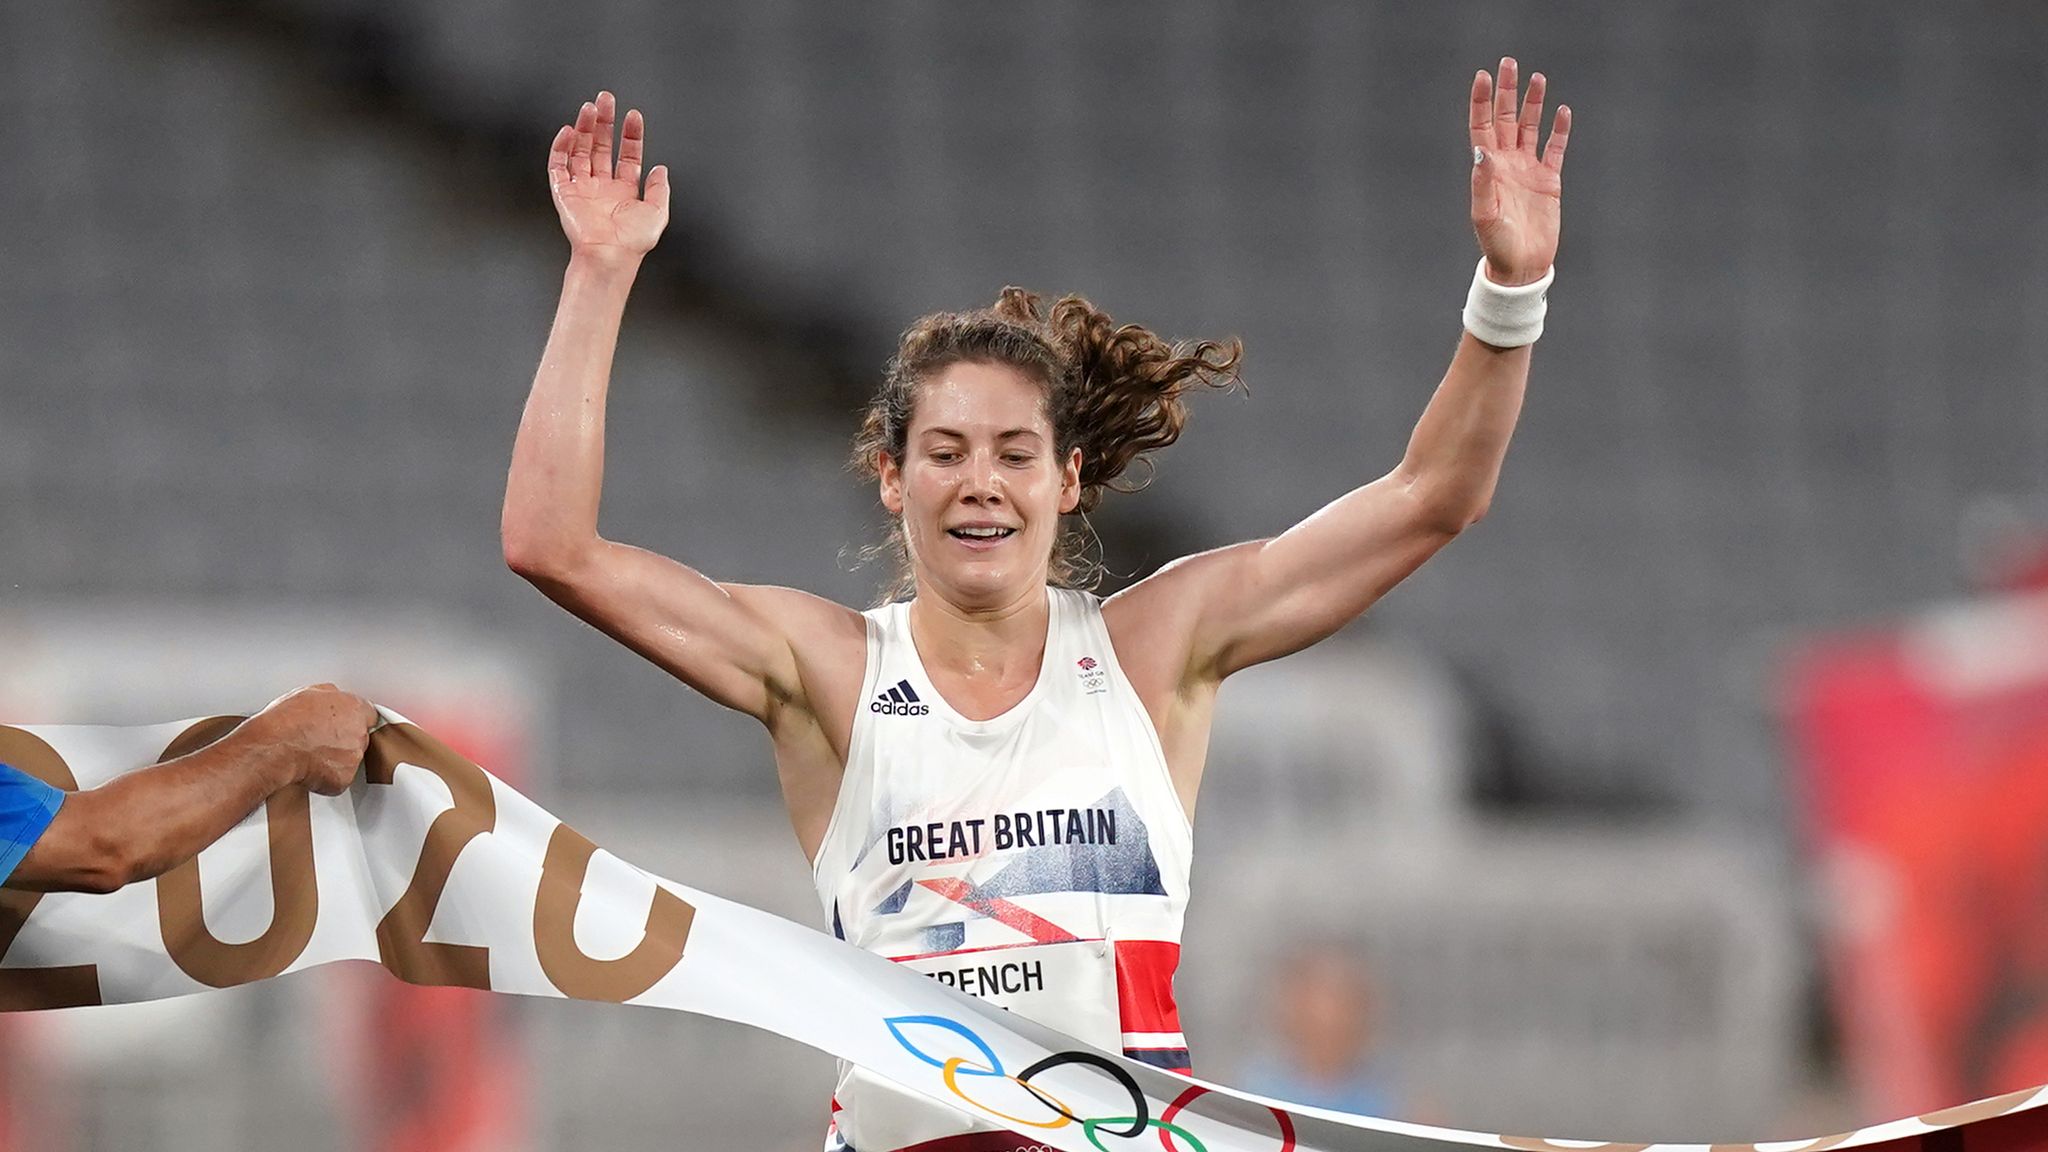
[
  {"x": 1515, "y": 188},
  {"x": 599, "y": 199}
]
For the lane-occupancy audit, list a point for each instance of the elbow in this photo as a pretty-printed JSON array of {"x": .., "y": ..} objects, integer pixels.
[
  {"x": 66, "y": 861},
  {"x": 112, "y": 862},
  {"x": 99, "y": 882},
  {"x": 538, "y": 557},
  {"x": 1450, "y": 508},
  {"x": 524, "y": 557},
  {"x": 96, "y": 844},
  {"x": 1450, "y": 517},
  {"x": 85, "y": 849},
  {"x": 526, "y": 549}
]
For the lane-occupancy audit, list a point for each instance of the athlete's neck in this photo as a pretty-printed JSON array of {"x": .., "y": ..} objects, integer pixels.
[{"x": 1000, "y": 644}]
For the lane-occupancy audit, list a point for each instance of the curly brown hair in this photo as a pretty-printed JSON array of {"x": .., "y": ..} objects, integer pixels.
[{"x": 1113, "y": 391}]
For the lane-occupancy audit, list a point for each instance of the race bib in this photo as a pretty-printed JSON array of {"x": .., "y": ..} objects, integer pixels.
[{"x": 1071, "y": 987}]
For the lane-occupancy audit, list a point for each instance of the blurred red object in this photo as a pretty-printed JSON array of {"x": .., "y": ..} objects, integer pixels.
[
  {"x": 1926, "y": 754},
  {"x": 2025, "y": 569}
]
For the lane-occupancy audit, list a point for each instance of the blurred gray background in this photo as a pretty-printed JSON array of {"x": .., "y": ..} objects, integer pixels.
[{"x": 277, "y": 274}]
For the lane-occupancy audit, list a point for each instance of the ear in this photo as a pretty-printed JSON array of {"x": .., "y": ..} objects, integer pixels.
[
  {"x": 891, "y": 477},
  {"x": 1070, "y": 482}
]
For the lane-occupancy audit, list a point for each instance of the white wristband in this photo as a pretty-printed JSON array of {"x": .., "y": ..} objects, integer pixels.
[{"x": 1506, "y": 317}]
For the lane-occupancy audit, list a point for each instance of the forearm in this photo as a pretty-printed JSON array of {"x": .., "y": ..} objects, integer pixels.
[
  {"x": 149, "y": 821},
  {"x": 557, "y": 474},
  {"x": 1454, "y": 456}
]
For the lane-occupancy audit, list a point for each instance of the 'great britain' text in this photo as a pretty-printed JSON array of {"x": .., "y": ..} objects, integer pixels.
[{"x": 946, "y": 839}]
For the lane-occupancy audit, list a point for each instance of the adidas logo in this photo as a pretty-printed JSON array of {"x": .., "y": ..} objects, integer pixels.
[{"x": 899, "y": 701}]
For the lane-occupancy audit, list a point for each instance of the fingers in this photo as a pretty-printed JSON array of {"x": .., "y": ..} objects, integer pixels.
[
  {"x": 1481, "y": 119},
  {"x": 1531, "y": 123},
  {"x": 586, "y": 134},
  {"x": 1496, "y": 125},
  {"x": 558, "y": 155},
  {"x": 1504, "y": 126},
  {"x": 632, "y": 142},
  {"x": 1560, "y": 135},
  {"x": 601, "y": 145},
  {"x": 657, "y": 189}
]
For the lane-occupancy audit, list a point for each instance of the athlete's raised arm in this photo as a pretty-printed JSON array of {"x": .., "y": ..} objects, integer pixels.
[
  {"x": 1237, "y": 606},
  {"x": 730, "y": 642}
]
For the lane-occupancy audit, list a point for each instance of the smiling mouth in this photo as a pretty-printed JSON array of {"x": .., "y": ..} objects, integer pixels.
[{"x": 981, "y": 535}]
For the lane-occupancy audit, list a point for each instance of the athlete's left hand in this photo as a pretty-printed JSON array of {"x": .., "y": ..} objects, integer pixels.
[{"x": 1515, "y": 188}]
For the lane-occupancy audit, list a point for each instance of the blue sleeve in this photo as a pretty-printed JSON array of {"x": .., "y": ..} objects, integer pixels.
[{"x": 27, "y": 805}]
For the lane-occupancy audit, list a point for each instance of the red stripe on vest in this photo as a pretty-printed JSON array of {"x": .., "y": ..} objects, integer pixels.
[{"x": 1144, "y": 985}]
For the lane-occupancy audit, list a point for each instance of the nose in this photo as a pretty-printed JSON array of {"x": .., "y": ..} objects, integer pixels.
[{"x": 983, "y": 482}]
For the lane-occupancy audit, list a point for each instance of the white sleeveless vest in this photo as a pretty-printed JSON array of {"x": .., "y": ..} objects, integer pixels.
[{"x": 1038, "y": 859}]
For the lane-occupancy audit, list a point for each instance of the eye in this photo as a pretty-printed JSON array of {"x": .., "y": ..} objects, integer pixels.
[
  {"x": 1017, "y": 458},
  {"x": 944, "y": 456}
]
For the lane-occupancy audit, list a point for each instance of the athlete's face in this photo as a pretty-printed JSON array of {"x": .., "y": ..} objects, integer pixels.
[{"x": 980, "y": 488}]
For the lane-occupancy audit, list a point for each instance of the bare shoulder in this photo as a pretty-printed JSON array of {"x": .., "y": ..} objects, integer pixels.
[
  {"x": 1153, "y": 622},
  {"x": 1155, "y": 627},
  {"x": 796, "y": 608},
  {"x": 828, "y": 639},
  {"x": 824, "y": 628}
]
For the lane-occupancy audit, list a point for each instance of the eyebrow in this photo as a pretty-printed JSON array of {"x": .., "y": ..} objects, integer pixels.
[{"x": 959, "y": 435}]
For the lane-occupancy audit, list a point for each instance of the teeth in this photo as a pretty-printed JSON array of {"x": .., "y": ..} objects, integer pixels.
[{"x": 982, "y": 533}]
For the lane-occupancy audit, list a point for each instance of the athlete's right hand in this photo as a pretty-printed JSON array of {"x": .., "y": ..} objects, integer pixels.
[
  {"x": 322, "y": 733},
  {"x": 602, "y": 210}
]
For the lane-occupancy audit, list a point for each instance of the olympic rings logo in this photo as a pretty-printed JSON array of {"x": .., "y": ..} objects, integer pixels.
[{"x": 963, "y": 1075}]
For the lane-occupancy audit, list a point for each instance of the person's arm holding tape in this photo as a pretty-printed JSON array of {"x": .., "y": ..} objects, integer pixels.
[{"x": 147, "y": 822}]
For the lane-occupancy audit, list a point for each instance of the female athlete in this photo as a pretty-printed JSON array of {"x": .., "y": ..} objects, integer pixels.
[{"x": 993, "y": 774}]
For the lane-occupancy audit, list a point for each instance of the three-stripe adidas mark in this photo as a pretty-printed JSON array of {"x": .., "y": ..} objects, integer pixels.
[{"x": 899, "y": 701}]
